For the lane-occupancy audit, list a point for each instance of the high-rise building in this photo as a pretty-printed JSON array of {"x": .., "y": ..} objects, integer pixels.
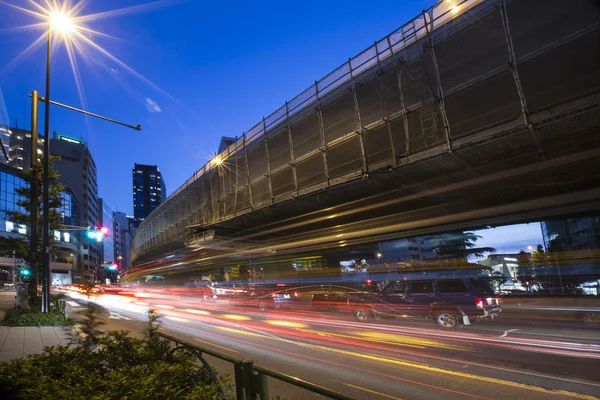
[
  {"x": 19, "y": 151},
  {"x": 77, "y": 171},
  {"x": 65, "y": 247},
  {"x": 4, "y": 130},
  {"x": 123, "y": 235},
  {"x": 11, "y": 179},
  {"x": 572, "y": 234},
  {"x": 149, "y": 190},
  {"x": 108, "y": 244}
]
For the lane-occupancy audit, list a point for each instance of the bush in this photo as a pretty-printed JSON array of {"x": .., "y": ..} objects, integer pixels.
[
  {"x": 108, "y": 366},
  {"x": 22, "y": 317}
]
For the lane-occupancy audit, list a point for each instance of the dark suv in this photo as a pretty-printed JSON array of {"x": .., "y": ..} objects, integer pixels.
[{"x": 451, "y": 303}]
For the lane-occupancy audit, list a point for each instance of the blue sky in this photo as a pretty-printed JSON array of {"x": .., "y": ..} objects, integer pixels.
[
  {"x": 512, "y": 238},
  {"x": 220, "y": 67}
]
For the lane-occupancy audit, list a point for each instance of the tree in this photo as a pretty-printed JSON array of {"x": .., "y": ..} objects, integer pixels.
[
  {"x": 56, "y": 193},
  {"x": 18, "y": 245},
  {"x": 456, "y": 246},
  {"x": 539, "y": 254},
  {"x": 234, "y": 273},
  {"x": 358, "y": 266}
]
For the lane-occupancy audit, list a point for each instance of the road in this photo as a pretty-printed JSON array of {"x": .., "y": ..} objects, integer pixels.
[{"x": 384, "y": 359}]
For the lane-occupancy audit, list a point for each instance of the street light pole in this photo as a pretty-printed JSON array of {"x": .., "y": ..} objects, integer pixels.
[
  {"x": 63, "y": 25},
  {"x": 46, "y": 189},
  {"x": 33, "y": 185}
]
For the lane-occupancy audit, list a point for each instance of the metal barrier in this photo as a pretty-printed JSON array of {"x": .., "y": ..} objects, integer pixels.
[{"x": 250, "y": 380}]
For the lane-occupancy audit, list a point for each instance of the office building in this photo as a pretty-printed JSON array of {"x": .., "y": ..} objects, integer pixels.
[
  {"x": 571, "y": 234},
  {"x": 11, "y": 179},
  {"x": 149, "y": 190},
  {"x": 123, "y": 235},
  {"x": 77, "y": 171},
  {"x": 19, "y": 151},
  {"x": 4, "y": 130},
  {"x": 65, "y": 247},
  {"x": 108, "y": 244},
  {"x": 63, "y": 260}
]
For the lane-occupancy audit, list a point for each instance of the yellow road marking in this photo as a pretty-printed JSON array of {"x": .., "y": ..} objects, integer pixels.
[
  {"x": 236, "y": 317},
  {"x": 216, "y": 345},
  {"x": 460, "y": 374},
  {"x": 363, "y": 339},
  {"x": 223, "y": 328},
  {"x": 374, "y": 392}
]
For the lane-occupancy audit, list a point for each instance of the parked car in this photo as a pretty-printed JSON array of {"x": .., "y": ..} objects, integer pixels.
[{"x": 450, "y": 303}]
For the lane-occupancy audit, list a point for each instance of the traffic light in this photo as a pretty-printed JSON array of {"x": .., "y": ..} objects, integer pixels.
[
  {"x": 25, "y": 272},
  {"x": 113, "y": 267},
  {"x": 97, "y": 233}
]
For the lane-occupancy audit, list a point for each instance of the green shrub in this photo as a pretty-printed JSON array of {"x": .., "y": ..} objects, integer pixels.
[
  {"x": 109, "y": 366},
  {"x": 22, "y": 317}
]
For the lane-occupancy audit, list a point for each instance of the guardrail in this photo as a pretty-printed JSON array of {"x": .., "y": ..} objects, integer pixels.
[{"x": 250, "y": 380}]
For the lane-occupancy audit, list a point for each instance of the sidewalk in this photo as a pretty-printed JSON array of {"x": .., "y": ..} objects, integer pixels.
[{"x": 20, "y": 342}]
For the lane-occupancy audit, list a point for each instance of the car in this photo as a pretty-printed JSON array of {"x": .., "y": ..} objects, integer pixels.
[
  {"x": 450, "y": 302},
  {"x": 279, "y": 297}
]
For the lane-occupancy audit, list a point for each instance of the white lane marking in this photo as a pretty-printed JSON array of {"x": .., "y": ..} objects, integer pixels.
[
  {"x": 550, "y": 308},
  {"x": 119, "y": 316},
  {"x": 72, "y": 303},
  {"x": 507, "y": 332}
]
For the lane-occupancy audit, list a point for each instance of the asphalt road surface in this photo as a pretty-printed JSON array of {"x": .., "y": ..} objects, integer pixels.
[{"x": 513, "y": 358}]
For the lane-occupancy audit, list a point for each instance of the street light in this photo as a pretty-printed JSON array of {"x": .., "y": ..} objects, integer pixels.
[{"x": 63, "y": 25}]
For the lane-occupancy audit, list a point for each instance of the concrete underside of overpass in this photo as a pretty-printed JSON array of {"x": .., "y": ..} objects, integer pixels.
[
  {"x": 504, "y": 165},
  {"x": 522, "y": 175}
]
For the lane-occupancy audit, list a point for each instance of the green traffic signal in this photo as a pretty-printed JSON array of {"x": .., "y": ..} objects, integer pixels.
[{"x": 25, "y": 272}]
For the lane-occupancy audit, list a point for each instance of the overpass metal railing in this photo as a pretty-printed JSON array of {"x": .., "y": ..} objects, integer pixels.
[
  {"x": 155, "y": 231},
  {"x": 250, "y": 380}
]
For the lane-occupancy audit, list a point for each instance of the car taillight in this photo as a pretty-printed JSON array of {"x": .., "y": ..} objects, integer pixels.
[
  {"x": 295, "y": 294},
  {"x": 273, "y": 295},
  {"x": 479, "y": 301}
]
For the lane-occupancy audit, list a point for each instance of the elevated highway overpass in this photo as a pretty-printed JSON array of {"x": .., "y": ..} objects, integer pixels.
[{"x": 474, "y": 113}]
